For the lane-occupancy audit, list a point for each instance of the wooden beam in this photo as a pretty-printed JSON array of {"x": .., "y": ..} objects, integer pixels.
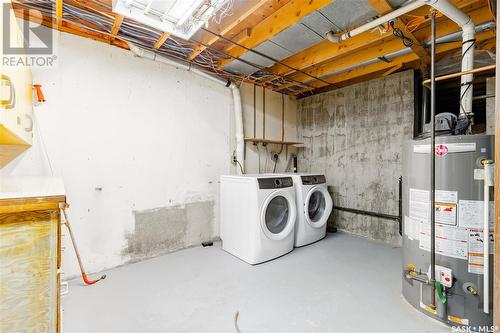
[
  {"x": 284, "y": 17},
  {"x": 59, "y": 12},
  {"x": 116, "y": 25},
  {"x": 326, "y": 50},
  {"x": 368, "y": 53},
  {"x": 381, "y": 66},
  {"x": 68, "y": 27},
  {"x": 488, "y": 45},
  {"x": 240, "y": 38},
  {"x": 365, "y": 71},
  {"x": 383, "y": 7},
  {"x": 393, "y": 69},
  {"x": 163, "y": 38},
  {"x": 298, "y": 92},
  {"x": 227, "y": 24}
]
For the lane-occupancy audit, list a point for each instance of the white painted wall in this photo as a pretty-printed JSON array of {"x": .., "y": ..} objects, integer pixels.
[
  {"x": 150, "y": 135},
  {"x": 273, "y": 102}
]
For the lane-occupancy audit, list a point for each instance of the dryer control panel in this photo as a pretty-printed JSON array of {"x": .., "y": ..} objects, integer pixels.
[
  {"x": 278, "y": 182},
  {"x": 313, "y": 180}
]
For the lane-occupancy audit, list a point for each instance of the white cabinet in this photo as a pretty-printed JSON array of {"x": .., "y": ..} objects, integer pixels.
[{"x": 16, "y": 101}]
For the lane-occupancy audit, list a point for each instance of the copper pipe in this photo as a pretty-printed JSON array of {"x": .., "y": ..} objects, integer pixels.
[{"x": 459, "y": 74}]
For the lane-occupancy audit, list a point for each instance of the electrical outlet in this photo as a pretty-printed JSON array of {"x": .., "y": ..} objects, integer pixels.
[
  {"x": 274, "y": 156},
  {"x": 234, "y": 160}
]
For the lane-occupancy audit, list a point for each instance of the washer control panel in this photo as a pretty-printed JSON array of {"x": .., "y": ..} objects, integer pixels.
[
  {"x": 272, "y": 183},
  {"x": 313, "y": 180}
]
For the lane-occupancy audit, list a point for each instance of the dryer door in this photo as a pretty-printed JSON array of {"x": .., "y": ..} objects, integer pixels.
[
  {"x": 278, "y": 215},
  {"x": 318, "y": 206}
]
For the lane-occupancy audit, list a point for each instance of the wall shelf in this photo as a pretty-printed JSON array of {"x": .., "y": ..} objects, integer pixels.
[{"x": 268, "y": 141}]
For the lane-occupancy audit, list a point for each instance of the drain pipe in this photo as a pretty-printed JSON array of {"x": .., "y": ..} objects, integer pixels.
[
  {"x": 235, "y": 92},
  {"x": 453, "y": 13},
  {"x": 375, "y": 23}
]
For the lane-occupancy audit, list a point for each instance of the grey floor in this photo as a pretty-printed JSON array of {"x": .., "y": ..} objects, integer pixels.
[{"x": 341, "y": 284}]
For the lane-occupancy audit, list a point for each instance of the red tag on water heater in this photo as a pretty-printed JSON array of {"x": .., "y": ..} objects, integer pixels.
[{"x": 441, "y": 150}]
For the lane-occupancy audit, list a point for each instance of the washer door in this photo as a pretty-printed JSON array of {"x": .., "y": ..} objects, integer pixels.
[
  {"x": 278, "y": 215},
  {"x": 318, "y": 206}
]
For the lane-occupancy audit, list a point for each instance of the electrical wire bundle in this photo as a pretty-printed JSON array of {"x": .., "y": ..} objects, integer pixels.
[
  {"x": 408, "y": 42},
  {"x": 417, "y": 20},
  {"x": 100, "y": 22}
]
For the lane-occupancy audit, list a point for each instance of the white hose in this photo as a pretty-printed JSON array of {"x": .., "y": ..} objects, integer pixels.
[{"x": 235, "y": 92}]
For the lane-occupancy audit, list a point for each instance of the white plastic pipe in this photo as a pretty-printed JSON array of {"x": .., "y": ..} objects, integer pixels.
[
  {"x": 238, "y": 128},
  {"x": 453, "y": 13},
  {"x": 468, "y": 45},
  {"x": 488, "y": 181},
  {"x": 375, "y": 23},
  {"x": 235, "y": 92}
]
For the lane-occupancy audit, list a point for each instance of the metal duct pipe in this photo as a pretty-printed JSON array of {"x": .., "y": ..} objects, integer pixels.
[
  {"x": 454, "y": 14},
  {"x": 390, "y": 56},
  {"x": 235, "y": 91}
]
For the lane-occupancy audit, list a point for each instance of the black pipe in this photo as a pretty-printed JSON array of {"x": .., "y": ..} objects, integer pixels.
[
  {"x": 433, "y": 158},
  {"x": 400, "y": 206},
  {"x": 368, "y": 213}
]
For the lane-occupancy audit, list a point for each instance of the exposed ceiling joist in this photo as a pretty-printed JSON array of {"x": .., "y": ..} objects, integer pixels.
[
  {"x": 381, "y": 66},
  {"x": 326, "y": 50},
  {"x": 368, "y": 53},
  {"x": 68, "y": 27},
  {"x": 163, "y": 38},
  {"x": 283, "y": 18},
  {"x": 393, "y": 69},
  {"x": 227, "y": 24},
  {"x": 383, "y": 7},
  {"x": 59, "y": 12},
  {"x": 116, "y": 25}
]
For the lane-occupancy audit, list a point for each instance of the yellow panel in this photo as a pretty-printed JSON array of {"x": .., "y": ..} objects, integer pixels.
[
  {"x": 28, "y": 272},
  {"x": 16, "y": 91}
]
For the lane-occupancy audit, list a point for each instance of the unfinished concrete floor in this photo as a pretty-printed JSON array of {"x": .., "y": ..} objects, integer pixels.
[{"x": 343, "y": 283}]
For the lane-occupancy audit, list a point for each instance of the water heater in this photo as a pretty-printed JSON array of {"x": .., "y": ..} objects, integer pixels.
[{"x": 463, "y": 295}]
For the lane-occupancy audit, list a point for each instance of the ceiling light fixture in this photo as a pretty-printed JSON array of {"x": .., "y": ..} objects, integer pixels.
[{"x": 178, "y": 17}]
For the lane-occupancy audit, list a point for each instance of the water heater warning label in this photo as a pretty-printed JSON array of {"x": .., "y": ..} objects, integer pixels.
[
  {"x": 446, "y": 213},
  {"x": 458, "y": 225},
  {"x": 476, "y": 251}
]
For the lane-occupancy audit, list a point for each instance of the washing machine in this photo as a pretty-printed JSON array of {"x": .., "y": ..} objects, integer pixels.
[
  {"x": 257, "y": 216},
  {"x": 314, "y": 205}
]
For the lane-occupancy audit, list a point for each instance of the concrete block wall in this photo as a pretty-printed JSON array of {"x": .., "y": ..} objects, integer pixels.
[{"x": 354, "y": 136}]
